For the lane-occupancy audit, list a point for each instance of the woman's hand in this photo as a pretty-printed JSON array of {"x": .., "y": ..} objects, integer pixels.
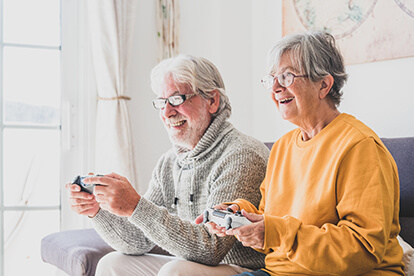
[
  {"x": 251, "y": 235},
  {"x": 212, "y": 227}
]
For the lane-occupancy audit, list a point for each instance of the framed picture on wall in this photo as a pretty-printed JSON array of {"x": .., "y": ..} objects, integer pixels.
[{"x": 366, "y": 31}]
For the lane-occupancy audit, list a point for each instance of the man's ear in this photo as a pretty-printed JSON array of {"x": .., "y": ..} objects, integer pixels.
[
  {"x": 214, "y": 102},
  {"x": 326, "y": 85}
]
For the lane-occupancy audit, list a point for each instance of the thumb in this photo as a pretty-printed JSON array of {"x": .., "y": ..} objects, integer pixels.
[
  {"x": 252, "y": 217},
  {"x": 199, "y": 219}
]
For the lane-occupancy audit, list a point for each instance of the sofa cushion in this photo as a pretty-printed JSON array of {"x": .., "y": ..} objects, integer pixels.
[
  {"x": 402, "y": 149},
  {"x": 76, "y": 252}
]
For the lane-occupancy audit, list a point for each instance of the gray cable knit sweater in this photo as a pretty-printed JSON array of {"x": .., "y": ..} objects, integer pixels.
[{"x": 225, "y": 165}]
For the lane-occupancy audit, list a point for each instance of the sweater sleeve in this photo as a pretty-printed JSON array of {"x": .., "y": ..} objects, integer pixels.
[
  {"x": 122, "y": 235},
  {"x": 237, "y": 174},
  {"x": 367, "y": 203},
  {"x": 119, "y": 232}
]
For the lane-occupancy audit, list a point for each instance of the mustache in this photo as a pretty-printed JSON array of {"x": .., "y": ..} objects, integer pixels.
[{"x": 175, "y": 120}]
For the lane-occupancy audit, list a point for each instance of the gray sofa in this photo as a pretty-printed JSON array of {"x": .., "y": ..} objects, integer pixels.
[{"x": 78, "y": 251}]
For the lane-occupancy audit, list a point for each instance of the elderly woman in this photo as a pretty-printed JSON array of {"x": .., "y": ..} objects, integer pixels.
[{"x": 330, "y": 198}]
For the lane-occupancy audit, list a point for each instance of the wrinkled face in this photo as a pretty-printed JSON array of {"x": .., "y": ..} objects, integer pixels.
[
  {"x": 299, "y": 100},
  {"x": 187, "y": 122}
]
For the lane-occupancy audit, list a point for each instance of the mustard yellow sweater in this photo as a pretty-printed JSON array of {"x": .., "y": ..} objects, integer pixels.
[{"x": 331, "y": 204}]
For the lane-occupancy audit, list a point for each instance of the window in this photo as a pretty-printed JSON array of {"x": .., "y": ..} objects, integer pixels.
[{"x": 30, "y": 147}]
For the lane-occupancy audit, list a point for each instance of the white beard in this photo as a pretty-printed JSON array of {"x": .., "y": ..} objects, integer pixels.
[{"x": 190, "y": 136}]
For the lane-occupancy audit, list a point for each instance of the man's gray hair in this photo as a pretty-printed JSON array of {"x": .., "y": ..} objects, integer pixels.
[
  {"x": 201, "y": 75},
  {"x": 315, "y": 54}
]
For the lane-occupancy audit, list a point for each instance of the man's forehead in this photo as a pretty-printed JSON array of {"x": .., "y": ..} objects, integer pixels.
[{"x": 171, "y": 87}]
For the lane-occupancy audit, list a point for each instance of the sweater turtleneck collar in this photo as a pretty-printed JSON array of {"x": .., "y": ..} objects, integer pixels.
[{"x": 215, "y": 132}]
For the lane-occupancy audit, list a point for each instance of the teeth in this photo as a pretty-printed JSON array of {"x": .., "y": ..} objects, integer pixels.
[
  {"x": 177, "y": 123},
  {"x": 287, "y": 99}
]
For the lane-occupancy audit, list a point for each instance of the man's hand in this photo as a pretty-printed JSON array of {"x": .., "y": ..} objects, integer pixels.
[
  {"x": 114, "y": 194},
  {"x": 82, "y": 203},
  {"x": 212, "y": 227},
  {"x": 250, "y": 235}
]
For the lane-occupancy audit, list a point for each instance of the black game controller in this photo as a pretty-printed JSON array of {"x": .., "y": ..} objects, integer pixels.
[{"x": 78, "y": 180}]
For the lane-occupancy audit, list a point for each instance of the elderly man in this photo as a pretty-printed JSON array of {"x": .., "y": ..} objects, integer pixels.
[{"x": 210, "y": 162}]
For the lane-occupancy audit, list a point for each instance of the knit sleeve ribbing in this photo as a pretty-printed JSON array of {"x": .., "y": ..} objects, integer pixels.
[{"x": 122, "y": 235}]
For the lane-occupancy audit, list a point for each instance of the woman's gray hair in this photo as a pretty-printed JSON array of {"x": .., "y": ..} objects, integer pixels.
[
  {"x": 315, "y": 54},
  {"x": 201, "y": 75}
]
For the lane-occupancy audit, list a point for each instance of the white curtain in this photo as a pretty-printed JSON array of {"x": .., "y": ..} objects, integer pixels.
[
  {"x": 168, "y": 28},
  {"x": 111, "y": 24}
]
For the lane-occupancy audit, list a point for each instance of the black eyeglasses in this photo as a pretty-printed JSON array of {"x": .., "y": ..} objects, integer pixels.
[
  {"x": 174, "y": 100},
  {"x": 286, "y": 79}
]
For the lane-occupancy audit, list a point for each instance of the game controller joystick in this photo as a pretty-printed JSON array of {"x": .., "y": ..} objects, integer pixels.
[
  {"x": 226, "y": 219},
  {"x": 78, "y": 180}
]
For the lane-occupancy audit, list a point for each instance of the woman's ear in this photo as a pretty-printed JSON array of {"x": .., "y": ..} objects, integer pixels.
[
  {"x": 326, "y": 85},
  {"x": 214, "y": 102}
]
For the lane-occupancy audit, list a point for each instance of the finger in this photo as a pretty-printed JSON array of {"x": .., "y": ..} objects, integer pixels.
[
  {"x": 199, "y": 219},
  {"x": 251, "y": 216},
  {"x": 72, "y": 187},
  {"x": 101, "y": 190},
  {"x": 260, "y": 247},
  {"x": 220, "y": 234},
  {"x": 252, "y": 243},
  {"x": 210, "y": 228},
  {"x": 81, "y": 195},
  {"x": 241, "y": 231},
  {"x": 116, "y": 176},
  {"x": 230, "y": 232},
  {"x": 221, "y": 206},
  {"x": 215, "y": 229},
  {"x": 247, "y": 244},
  {"x": 101, "y": 180},
  {"x": 234, "y": 208},
  {"x": 80, "y": 209},
  {"x": 79, "y": 202},
  {"x": 90, "y": 173}
]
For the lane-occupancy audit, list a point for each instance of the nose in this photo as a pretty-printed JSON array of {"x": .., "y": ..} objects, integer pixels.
[
  {"x": 168, "y": 110},
  {"x": 277, "y": 88}
]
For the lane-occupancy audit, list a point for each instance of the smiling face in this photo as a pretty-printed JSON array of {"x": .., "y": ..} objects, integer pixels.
[
  {"x": 300, "y": 100},
  {"x": 187, "y": 122}
]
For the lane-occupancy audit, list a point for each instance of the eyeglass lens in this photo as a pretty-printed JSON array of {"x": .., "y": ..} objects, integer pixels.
[
  {"x": 285, "y": 80},
  {"x": 175, "y": 100}
]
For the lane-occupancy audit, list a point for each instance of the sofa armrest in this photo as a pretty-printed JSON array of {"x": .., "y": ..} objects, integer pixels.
[{"x": 76, "y": 252}]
